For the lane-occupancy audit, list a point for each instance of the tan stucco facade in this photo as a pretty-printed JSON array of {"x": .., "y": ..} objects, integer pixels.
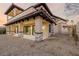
[{"x": 31, "y": 22}]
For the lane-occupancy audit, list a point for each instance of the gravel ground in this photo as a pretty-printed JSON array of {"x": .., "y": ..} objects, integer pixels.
[{"x": 55, "y": 46}]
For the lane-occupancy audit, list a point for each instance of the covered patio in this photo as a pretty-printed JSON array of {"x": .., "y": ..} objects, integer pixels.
[{"x": 36, "y": 23}]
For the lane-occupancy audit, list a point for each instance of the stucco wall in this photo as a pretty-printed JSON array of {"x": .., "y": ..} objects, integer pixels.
[{"x": 59, "y": 28}]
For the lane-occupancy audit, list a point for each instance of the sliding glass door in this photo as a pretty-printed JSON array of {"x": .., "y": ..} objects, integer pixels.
[{"x": 29, "y": 30}]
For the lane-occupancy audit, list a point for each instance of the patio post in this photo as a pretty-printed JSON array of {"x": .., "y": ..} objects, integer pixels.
[
  {"x": 38, "y": 29},
  {"x": 21, "y": 29}
]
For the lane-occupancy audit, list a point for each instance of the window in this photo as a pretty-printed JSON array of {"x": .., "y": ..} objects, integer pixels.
[
  {"x": 25, "y": 29},
  {"x": 33, "y": 30},
  {"x": 9, "y": 17},
  {"x": 49, "y": 28},
  {"x": 29, "y": 30}
]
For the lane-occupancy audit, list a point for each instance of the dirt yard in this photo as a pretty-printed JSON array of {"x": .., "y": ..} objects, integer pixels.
[{"x": 55, "y": 46}]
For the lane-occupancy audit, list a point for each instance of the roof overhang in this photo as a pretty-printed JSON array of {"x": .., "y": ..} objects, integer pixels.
[
  {"x": 33, "y": 12},
  {"x": 27, "y": 16},
  {"x": 48, "y": 10}
]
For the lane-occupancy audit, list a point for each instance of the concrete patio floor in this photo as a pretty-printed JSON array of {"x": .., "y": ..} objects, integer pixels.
[{"x": 15, "y": 46}]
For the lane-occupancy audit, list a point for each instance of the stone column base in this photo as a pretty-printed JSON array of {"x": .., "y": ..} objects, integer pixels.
[{"x": 38, "y": 36}]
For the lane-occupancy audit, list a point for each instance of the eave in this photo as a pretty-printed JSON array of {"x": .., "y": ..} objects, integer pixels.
[
  {"x": 46, "y": 7},
  {"x": 33, "y": 14}
]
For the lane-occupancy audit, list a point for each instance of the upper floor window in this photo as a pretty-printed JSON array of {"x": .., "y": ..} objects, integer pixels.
[
  {"x": 9, "y": 17},
  {"x": 13, "y": 10}
]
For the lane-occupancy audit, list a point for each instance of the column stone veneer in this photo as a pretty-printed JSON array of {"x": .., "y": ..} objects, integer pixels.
[{"x": 38, "y": 29}]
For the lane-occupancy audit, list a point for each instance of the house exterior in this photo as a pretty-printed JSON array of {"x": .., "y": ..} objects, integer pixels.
[{"x": 36, "y": 22}]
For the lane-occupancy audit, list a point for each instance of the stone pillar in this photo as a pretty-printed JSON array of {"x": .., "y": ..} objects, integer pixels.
[{"x": 38, "y": 29}]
